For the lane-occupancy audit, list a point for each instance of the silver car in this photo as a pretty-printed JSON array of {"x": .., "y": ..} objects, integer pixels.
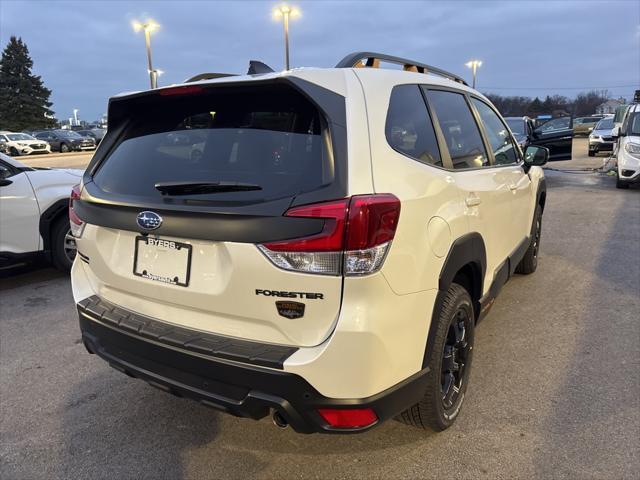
[{"x": 600, "y": 139}]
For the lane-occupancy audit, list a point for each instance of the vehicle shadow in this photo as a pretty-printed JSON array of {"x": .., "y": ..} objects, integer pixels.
[
  {"x": 118, "y": 427},
  {"x": 593, "y": 423}
]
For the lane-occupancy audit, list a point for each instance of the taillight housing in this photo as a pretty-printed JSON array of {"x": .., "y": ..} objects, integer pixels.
[
  {"x": 355, "y": 239},
  {"x": 76, "y": 224}
]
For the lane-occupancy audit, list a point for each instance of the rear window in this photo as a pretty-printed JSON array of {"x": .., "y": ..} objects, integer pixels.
[{"x": 270, "y": 137}]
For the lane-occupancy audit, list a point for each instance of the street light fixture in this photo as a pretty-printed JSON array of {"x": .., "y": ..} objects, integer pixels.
[
  {"x": 286, "y": 12},
  {"x": 473, "y": 65},
  {"x": 148, "y": 27}
]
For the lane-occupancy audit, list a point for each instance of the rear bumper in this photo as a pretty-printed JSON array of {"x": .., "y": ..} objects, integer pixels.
[{"x": 241, "y": 389}]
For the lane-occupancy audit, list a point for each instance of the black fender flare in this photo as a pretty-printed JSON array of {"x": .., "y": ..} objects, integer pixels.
[
  {"x": 48, "y": 218},
  {"x": 541, "y": 194},
  {"x": 466, "y": 250}
]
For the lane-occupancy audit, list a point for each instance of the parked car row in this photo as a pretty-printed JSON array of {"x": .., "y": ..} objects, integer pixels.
[
  {"x": 16, "y": 144},
  {"x": 47, "y": 141}
]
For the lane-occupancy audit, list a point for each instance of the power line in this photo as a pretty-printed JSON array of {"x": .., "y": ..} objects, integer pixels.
[{"x": 562, "y": 88}]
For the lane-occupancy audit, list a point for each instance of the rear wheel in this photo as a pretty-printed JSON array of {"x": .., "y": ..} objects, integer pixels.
[
  {"x": 64, "y": 148},
  {"x": 449, "y": 363},
  {"x": 63, "y": 245},
  {"x": 529, "y": 262},
  {"x": 14, "y": 152}
]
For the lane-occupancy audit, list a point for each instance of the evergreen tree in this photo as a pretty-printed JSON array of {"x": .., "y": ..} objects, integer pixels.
[{"x": 24, "y": 100}]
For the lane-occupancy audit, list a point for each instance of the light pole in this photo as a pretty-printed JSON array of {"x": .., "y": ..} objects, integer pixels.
[
  {"x": 473, "y": 65},
  {"x": 148, "y": 27},
  {"x": 285, "y": 11}
]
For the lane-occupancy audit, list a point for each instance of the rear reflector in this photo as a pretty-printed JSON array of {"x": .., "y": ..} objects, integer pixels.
[
  {"x": 355, "y": 238},
  {"x": 76, "y": 224},
  {"x": 348, "y": 418}
]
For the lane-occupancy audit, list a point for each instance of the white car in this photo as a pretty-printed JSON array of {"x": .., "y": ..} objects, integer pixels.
[
  {"x": 17, "y": 144},
  {"x": 34, "y": 219},
  {"x": 325, "y": 255},
  {"x": 628, "y": 148}
]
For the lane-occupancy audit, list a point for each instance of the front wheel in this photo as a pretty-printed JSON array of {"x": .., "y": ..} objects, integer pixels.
[
  {"x": 14, "y": 152},
  {"x": 620, "y": 184},
  {"x": 64, "y": 148},
  {"x": 449, "y": 363}
]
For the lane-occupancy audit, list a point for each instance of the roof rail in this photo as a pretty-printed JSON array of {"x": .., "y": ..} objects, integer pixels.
[
  {"x": 208, "y": 76},
  {"x": 372, "y": 60}
]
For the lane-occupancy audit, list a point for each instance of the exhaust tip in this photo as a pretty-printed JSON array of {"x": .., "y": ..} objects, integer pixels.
[{"x": 278, "y": 420}]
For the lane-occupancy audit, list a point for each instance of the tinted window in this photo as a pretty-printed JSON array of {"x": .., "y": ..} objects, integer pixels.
[
  {"x": 271, "y": 137},
  {"x": 409, "y": 129},
  {"x": 559, "y": 124},
  {"x": 459, "y": 129},
  {"x": 504, "y": 151},
  {"x": 516, "y": 125},
  {"x": 605, "y": 123}
]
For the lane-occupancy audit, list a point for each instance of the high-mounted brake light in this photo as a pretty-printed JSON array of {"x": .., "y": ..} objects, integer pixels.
[
  {"x": 348, "y": 417},
  {"x": 189, "y": 89},
  {"x": 76, "y": 224},
  {"x": 355, "y": 238}
]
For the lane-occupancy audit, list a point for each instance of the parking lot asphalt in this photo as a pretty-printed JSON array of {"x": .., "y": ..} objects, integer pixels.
[{"x": 554, "y": 392}]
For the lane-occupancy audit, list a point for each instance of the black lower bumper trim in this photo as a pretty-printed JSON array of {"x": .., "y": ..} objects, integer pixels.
[{"x": 239, "y": 389}]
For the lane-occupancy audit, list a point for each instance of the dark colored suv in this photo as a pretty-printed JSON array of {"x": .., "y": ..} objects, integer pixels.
[{"x": 65, "y": 140}]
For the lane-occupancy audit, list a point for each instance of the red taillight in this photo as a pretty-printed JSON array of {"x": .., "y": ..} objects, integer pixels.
[
  {"x": 331, "y": 239},
  {"x": 348, "y": 418},
  {"x": 75, "y": 195},
  {"x": 75, "y": 222},
  {"x": 190, "y": 89},
  {"x": 372, "y": 220},
  {"x": 358, "y": 223}
]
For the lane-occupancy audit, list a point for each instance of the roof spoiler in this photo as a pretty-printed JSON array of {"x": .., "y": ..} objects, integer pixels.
[{"x": 372, "y": 60}]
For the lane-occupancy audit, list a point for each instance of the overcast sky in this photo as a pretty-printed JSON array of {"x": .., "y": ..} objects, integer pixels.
[{"x": 86, "y": 51}]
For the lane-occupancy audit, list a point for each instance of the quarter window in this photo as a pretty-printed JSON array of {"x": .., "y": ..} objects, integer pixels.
[
  {"x": 409, "y": 129},
  {"x": 504, "y": 151},
  {"x": 459, "y": 129}
]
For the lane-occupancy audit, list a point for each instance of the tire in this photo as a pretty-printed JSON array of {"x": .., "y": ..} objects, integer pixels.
[
  {"x": 62, "y": 253},
  {"x": 64, "y": 148},
  {"x": 529, "y": 262},
  {"x": 14, "y": 152},
  {"x": 619, "y": 184},
  {"x": 453, "y": 340},
  {"x": 592, "y": 153}
]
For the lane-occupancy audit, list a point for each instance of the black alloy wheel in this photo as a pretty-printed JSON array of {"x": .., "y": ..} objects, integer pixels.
[{"x": 455, "y": 357}]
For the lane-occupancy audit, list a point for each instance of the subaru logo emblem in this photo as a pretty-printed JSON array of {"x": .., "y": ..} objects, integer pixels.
[{"x": 149, "y": 220}]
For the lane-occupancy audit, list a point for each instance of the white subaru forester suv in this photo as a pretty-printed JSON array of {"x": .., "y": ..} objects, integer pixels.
[
  {"x": 627, "y": 152},
  {"x": 318, "y": 245}
]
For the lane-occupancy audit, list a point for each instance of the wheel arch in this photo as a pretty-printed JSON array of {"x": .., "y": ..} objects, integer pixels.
[
  {"x": 48, "y": 218},
  {"x": 466, "y": 263}
]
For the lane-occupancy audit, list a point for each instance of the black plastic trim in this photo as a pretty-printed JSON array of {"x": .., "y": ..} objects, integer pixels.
[
  {"x": 466, "y": 250},
  {"x": 219, "y": 225},
  {"x": 48, "y": 218},
  {"x": 236, "y": 388},
  {"x": 218, "y": 346}
]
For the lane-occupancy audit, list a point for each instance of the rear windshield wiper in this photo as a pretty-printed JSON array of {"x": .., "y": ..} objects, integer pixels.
[{"x": 195, "y": 188}]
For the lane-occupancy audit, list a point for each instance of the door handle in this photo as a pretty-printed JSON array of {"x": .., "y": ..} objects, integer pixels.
[{"x": 472, "y": 200}]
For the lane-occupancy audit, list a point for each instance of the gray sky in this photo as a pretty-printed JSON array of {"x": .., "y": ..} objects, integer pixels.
[{"x": 86, "y": 51}]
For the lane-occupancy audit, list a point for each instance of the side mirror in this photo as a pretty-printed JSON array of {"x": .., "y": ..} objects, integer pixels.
[{"x": 535, "y": 155}]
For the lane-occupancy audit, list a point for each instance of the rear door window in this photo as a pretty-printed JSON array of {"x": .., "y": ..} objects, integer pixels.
[
  {"x": 269, "y": 138},
  {"x": 409, "y": 129},
  {"x": 504, "y": 150},
  {"x": 459, "y": 129}
]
